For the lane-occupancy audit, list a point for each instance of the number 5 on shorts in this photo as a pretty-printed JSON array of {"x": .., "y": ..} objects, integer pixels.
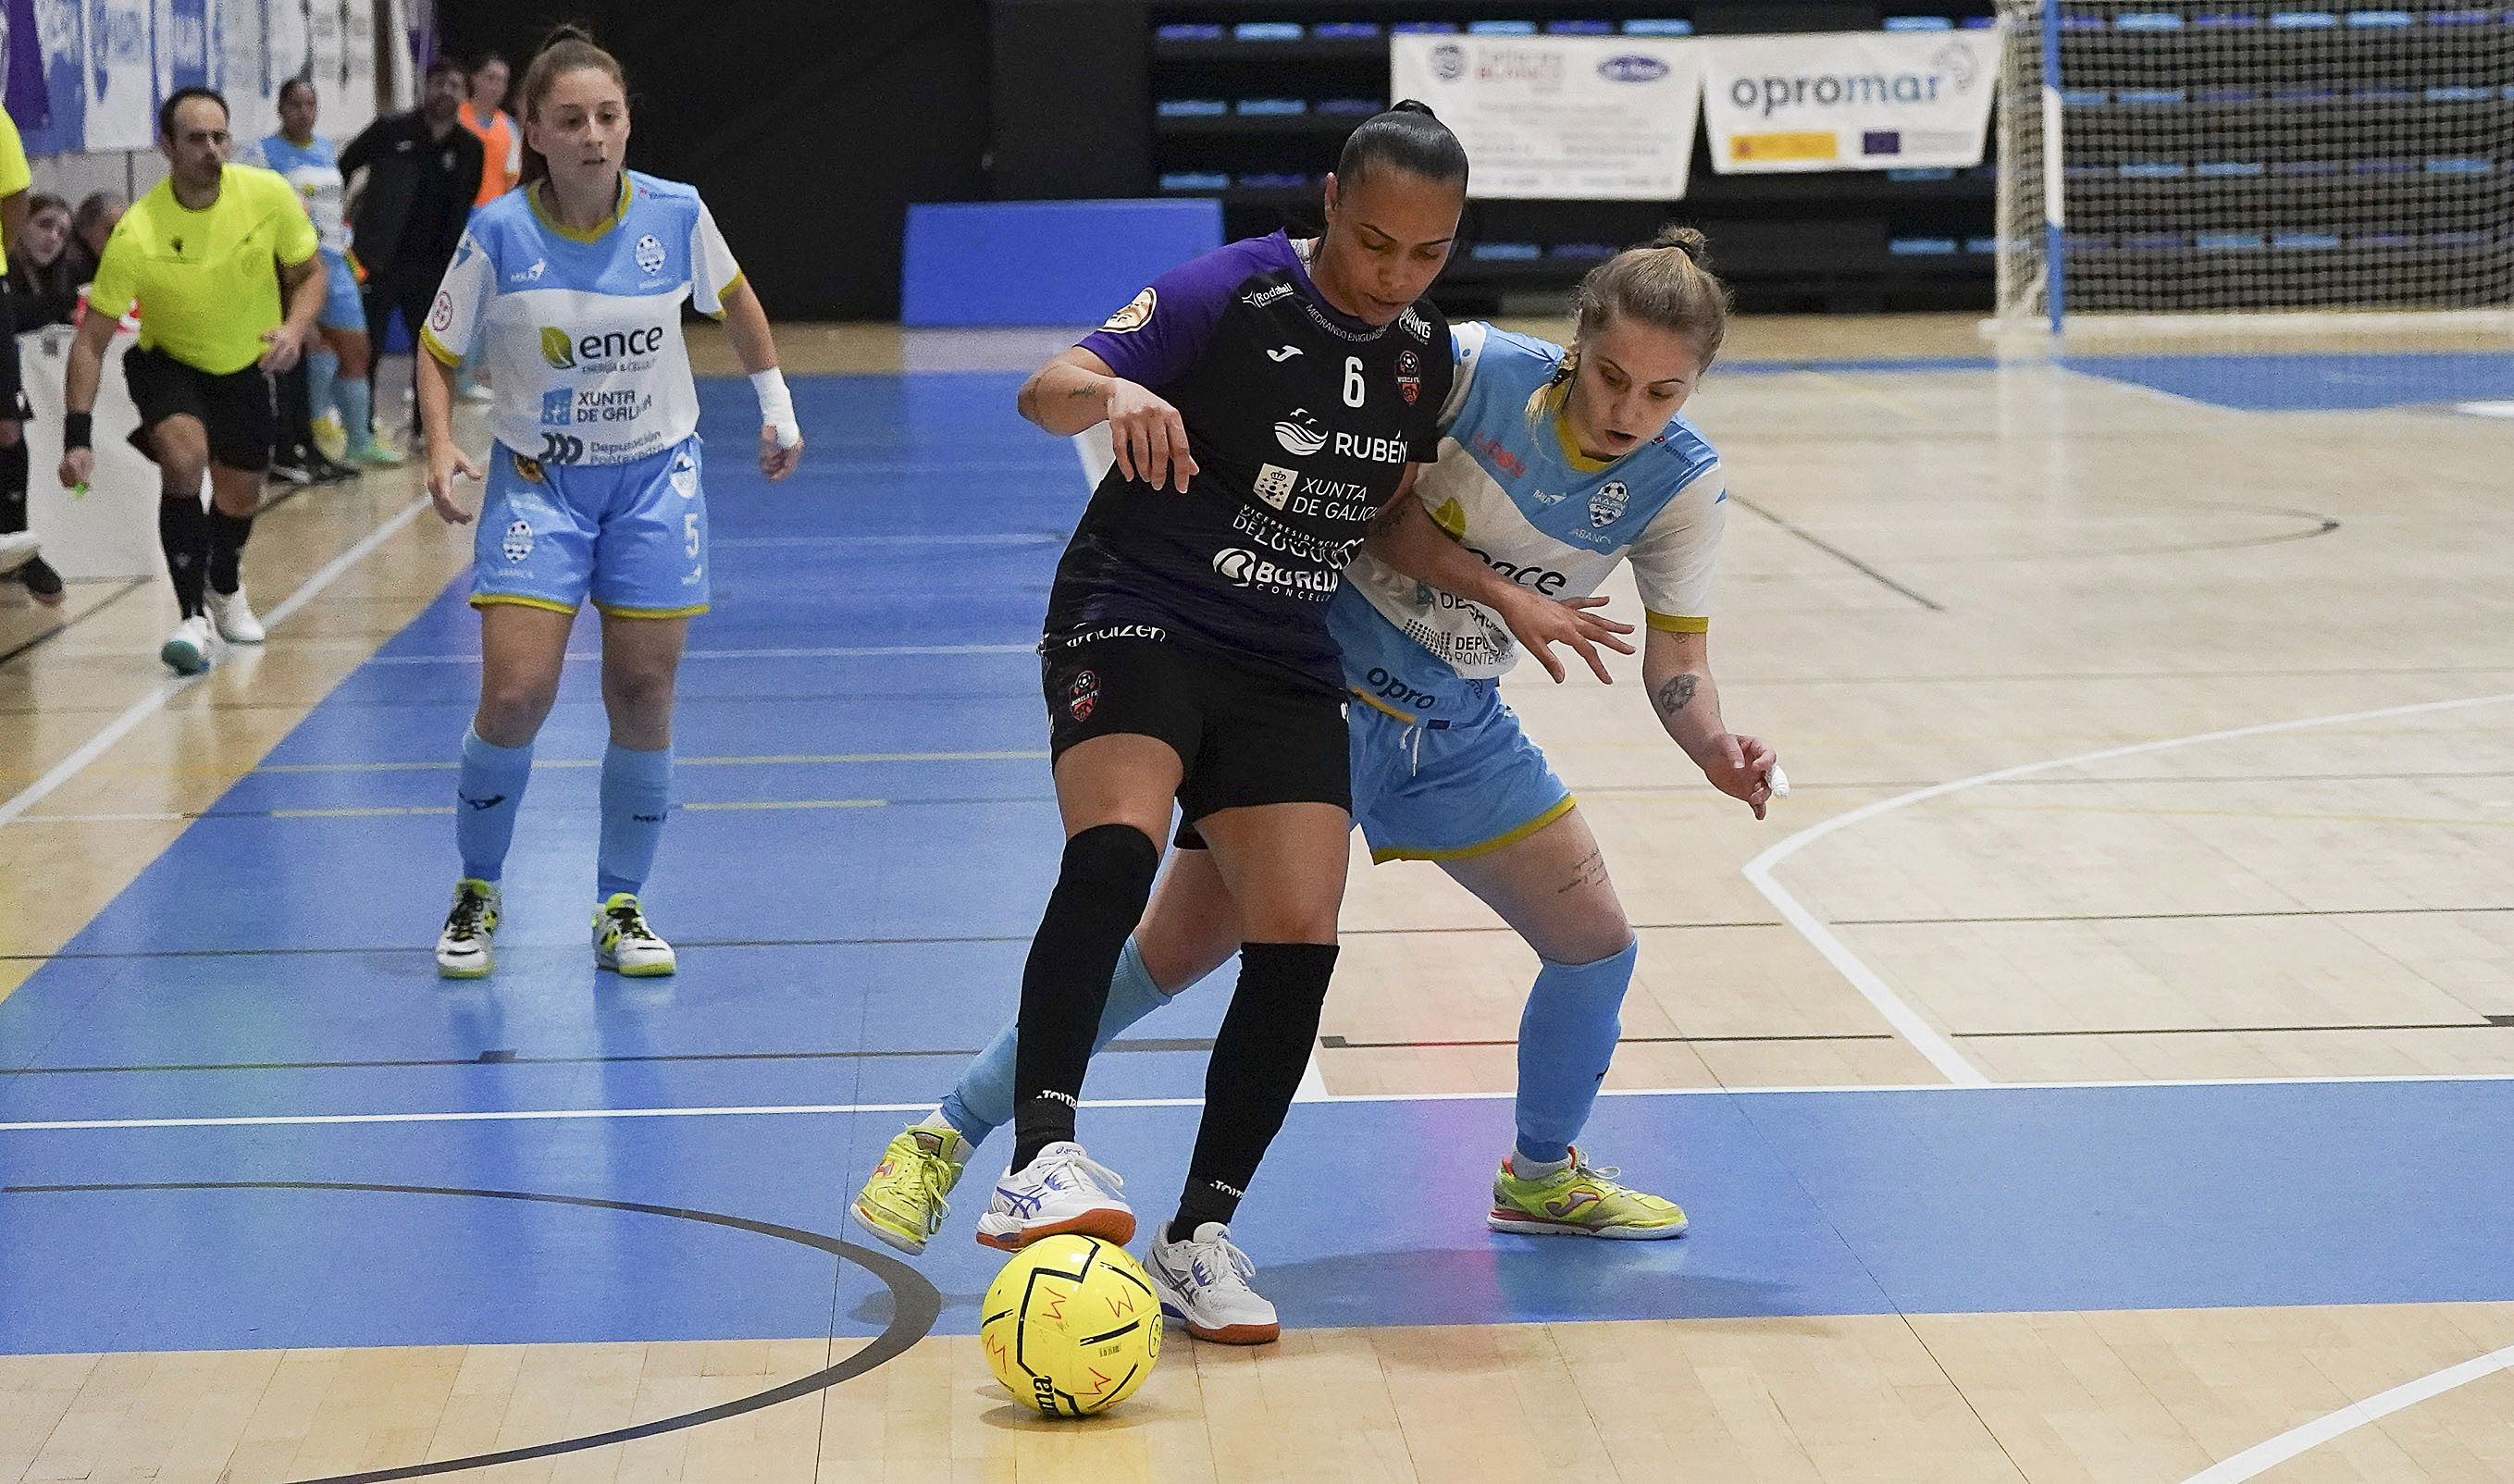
[{"x": 690, "y": 533}]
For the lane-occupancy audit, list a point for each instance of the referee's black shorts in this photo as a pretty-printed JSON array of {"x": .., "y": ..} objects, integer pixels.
[
  {"x": 235, "y": 409},
  {"x": 1246, "y": 735}
]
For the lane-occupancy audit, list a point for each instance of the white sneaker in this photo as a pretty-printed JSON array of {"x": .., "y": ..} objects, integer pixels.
[
  {"x": 16, "y": 549},
  {"x": 624, "y": 944},
  {"x": 233, "y": 617},
  {"x": 1062, "y": 1190},
  {"x": 462, "y": 949},
  {"x": 1203, "y": 1283},
  {"x": 191, "y": 648}
]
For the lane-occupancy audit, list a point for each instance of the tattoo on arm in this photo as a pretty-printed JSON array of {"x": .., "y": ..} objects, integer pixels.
[{"x": 1678, "y": 693}]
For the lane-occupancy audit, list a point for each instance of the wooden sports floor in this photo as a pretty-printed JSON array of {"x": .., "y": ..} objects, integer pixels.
[{"x": 2097, "y": 1069}]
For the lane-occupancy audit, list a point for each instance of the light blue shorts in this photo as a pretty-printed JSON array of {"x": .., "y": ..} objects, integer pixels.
[
  {"x": 342, "y": 309},
  {"x": 1440, "y": 789},
  {"x": 630, "y": 535}
]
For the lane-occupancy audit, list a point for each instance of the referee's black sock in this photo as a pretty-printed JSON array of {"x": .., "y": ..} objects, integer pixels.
[
  {"x": 1258, "y": 1058},
  {"x": 227, "y": 535},
  {"x": 1100, "y": 894},
  {"x": 183, "y": 531}
]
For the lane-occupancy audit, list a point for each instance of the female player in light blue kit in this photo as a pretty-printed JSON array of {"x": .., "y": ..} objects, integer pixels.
[
  {"x": 336, "y": 373},
  {"x": 573, "y": 287},
  {"x": 1556, "y": 467}
]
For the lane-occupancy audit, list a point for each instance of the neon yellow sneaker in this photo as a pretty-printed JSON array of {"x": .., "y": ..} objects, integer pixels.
[
  {"x": 625, "y": 943},
  {"x": 902, "y": 1202},
  {"x": 1581, "y": 1201}
]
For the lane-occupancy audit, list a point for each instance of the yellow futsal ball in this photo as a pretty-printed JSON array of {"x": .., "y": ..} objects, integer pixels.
[{"x": 1071, "y": 1326}]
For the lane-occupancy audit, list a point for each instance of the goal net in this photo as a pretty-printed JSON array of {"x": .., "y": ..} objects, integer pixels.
[{"x": 2225, "y": 167}]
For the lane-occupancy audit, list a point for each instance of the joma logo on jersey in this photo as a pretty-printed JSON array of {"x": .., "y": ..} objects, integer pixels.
[{"x": 565, "y": 353}]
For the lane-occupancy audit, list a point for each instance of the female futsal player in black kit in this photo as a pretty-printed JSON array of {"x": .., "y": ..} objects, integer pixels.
[{"x": 1264, "y": 401}]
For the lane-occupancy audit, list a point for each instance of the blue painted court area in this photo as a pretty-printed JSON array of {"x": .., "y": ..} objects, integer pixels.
[
  {"x": 2313, "y": 382},
  {"x": 864, "y": 841}
]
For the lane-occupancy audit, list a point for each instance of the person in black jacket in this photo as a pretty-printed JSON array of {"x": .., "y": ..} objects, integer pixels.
[
  {"x": 422, "y": 170},
  {"x": 41, "y": 291}
]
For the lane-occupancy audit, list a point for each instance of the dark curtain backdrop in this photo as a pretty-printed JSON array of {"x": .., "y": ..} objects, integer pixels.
[{"x": 809, "y": 125}]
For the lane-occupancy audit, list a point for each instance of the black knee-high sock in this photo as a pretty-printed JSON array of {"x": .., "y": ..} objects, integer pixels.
[
  {"x": 227, "y": 535},
  {"x": 12, "y": 488},
  {"x": 1100, "y": 894},
  {"x": 1258, "y": 1058},
  {"x": 183, "y": 532}
]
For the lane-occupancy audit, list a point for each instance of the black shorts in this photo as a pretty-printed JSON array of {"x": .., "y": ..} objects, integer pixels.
[
  {"x": 1246, "y": 737},
  {"x": 235, "y": 409}
]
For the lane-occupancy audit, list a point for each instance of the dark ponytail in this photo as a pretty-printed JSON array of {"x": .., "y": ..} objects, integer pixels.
[
  {"x": 1409, "y": 138},
  {"x": 568, "y": 48}
]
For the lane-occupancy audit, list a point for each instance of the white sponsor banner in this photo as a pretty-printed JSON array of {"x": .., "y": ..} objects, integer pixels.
[
  {"x": 1848, "y": 100},
  {"x": 1568, "y": 118}
]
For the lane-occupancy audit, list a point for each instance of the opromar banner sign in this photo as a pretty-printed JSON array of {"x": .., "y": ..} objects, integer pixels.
[
  {"x": 1848, "y": 100},
  {"x": 1560, "y": 118}
]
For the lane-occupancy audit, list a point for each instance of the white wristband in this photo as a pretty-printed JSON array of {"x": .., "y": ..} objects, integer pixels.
[{"x": 777, "y": 406}]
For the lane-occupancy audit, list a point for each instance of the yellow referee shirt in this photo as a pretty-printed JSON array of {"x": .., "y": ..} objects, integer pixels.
[
  {"x": 15, "y": 177},
  {"x": 203, "y": 280}
]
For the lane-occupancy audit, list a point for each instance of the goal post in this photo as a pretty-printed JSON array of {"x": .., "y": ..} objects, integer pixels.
[{"x": 2229, "y": 167}]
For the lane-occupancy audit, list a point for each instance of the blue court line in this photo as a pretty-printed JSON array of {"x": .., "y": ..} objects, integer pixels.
[{"x": 1804, "y": 1204}]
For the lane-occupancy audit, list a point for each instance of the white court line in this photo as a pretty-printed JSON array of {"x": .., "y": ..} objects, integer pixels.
[
  {"x": 840, "y": 1110},
  {"x": 2261, "y": 1458},
  {"x": 1897, "y": 1012},
  {"x": 167, "y": 690}
]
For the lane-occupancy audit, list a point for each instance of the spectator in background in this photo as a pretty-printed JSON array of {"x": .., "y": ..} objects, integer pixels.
[
  {"x": 422, "y": 172},
  {"x": 502, "y": 148},
  {"x": 89, "y": 225},
  {"x": 18, "y": 548},
  {"x": 501, "y": 144},
  {"x": 43, "y": 287},
  {"x": 43, "y": 281}
]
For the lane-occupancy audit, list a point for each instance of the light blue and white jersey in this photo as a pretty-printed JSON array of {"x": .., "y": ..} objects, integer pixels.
[
  {"x": 314, "y": 168},
  {"x": 1510, "y": 485},
  {"x": 580, "y": 332}
]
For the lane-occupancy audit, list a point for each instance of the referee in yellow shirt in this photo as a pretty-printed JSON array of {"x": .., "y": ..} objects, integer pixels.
[{"x": 196, "y": 256}]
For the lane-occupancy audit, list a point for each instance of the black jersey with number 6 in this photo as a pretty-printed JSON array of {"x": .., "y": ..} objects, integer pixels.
[{"x": 1301, "y": 419}]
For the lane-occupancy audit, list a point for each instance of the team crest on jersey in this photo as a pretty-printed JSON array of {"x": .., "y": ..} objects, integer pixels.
[
  {"x": 1083, "y": 695},
  {"x": 1409, "y": 375},
  {"x": 1136, "y": 315},
  {"x": 1608, "y": 505},
  {"x": 1276, "y": 484},
  {"x": 519, "y": 543},
  {"x": 650, "y": 254}
]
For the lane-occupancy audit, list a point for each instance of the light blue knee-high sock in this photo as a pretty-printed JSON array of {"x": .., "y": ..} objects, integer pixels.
[
  {"x": 356, "y": 397},
  {"x": 486, "y": 794},
  {"x": 1566, "y": 1037},
  {"x": 637, "y": 794},
  {"x": 322, "y": 374},
  {"x": 983, "y": 1102}
]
